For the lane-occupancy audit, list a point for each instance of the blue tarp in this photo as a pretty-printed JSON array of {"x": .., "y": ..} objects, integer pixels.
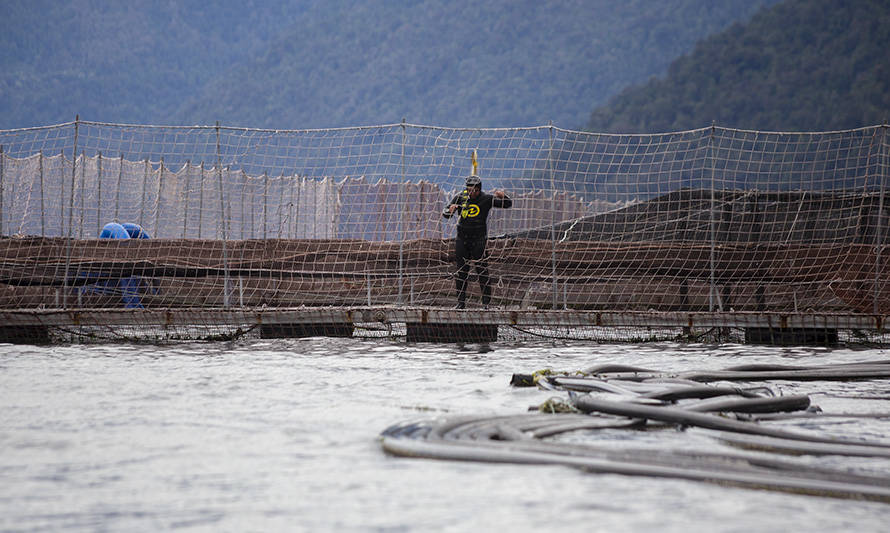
[{"x": 130, "y": 287}]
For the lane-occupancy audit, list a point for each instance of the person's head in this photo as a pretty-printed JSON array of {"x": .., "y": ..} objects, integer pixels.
[{"x": 474, "y": 185}]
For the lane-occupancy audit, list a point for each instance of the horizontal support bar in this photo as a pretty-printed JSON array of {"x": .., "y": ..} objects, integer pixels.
[{"x": 432, "y": 315}]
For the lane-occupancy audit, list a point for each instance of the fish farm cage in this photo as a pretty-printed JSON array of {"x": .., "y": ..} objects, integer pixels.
[{"x": 168, "y": 233}]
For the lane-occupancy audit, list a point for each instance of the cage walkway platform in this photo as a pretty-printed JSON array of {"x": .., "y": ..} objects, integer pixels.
[
  {"x": 449, "y": 325},
  {"x": 423, "y": 315}
]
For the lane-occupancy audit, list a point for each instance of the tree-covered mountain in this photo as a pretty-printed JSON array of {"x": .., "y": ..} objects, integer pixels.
[
  {"x": 131, "y": 61},
  {"x": 803, "y": 65},
  {"x": 323, "y": 63},
  {"x": 457, "y": 63}
]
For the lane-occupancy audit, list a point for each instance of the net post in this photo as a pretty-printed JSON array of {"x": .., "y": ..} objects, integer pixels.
[
  {"x": 241, "y": 292},
  {"x": 117, "y": 194},
  {"x": 42, "y": 195},
  {"x": 144, "y": 192},
  {"x": 265, "y": 201},
  {"x": 188, "y": 189},
  {"x": 291, "y": 211},
  {"x": 83, "y": 179},
  {"x": 879, "y": 229},
  {"x": 157, "y": 232},
  {"x": 252, "y": 228},
  {"x": 70, "y": 213},
  {"x": 555, "y": 282},
  {"x": 2, "y": 185},
  {"x": 201, "y": 205},
  {"x": 711, "y": 159},
  {"x": 302, "y": 194},
  {"x": 222, "y": 213},
  {"x": 242, "y": 215},
  {"x": 99, "y": 193},
  {"x": 227, "y": 203},
  {"x": 62, "y": 181},
  {"x": 368, "y": 284},
  {"x": 404, "y": 192}
]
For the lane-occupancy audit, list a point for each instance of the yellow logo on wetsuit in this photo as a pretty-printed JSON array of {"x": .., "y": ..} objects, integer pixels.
[{"x": 469, "y": 211}]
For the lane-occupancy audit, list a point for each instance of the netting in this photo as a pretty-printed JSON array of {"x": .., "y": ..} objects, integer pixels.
[{"x": 715, "y": 220}]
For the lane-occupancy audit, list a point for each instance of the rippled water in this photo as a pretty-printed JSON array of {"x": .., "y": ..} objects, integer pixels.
[{"x": 283, "y": 436}]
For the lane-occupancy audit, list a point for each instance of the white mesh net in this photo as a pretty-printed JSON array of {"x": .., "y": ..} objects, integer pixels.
[{"x": 245, "y": 224}]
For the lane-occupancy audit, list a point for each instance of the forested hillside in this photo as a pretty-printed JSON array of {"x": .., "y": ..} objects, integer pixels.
[
  {"x": 799, "y": 65},
  {"x": 123, "y": 61},
  {"x": 458, "y": 63},
  {"x": 317, "y": 63}
]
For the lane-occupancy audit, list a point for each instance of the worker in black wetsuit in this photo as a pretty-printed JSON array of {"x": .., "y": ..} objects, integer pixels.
[{"x": 473, "y": 206}]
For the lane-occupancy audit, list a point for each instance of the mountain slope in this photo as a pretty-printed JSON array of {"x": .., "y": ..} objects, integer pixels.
[
  {"x": 458, "y": 63},
  {"x": 123, "y": 61},
  {"x": 321, "y": 63},
  {"x": 800, "y": 65}
]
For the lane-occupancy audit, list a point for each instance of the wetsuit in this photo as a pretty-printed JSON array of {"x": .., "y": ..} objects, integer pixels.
[{"x": 472, "y": 233}]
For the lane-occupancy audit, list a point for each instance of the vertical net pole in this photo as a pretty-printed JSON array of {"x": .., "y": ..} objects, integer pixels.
[
  {"x": 252, "y": 231},
  {"x": 555, "y": 283},
  {"x": 201, "y": 204},
  {"x": 290, "y": 229},
  {"x": 243, "y": 192},
  {"x": 227, "y": 206},
  {"x": 83, "y": 178},
  {"x": 879, "y": 227},
  {"x": 404, "y": 187},
  {"x": 62, "y": 181},
  {"x": 144, "y": 193},
  {"x": 117, "y": 194},
  {"x": 222, "y": 213},
  {"x": 188, "y": 190},
  {"x": 157, "y": 233},
  {"x": 42, "y": 195},
  {"x": 70, "y": 212},
  {"x": 2, "y": 184},
  {"x": 711, "y": 160},
  {"x": 99, "y": 193},
  {"x": 265, "y": 201},
  {"x": 301, "y": 195}
]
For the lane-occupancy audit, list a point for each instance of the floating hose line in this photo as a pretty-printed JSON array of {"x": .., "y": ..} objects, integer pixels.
[
  {"x": 605, "y": 399},
  {"x": 685, "y": 417},
  {"x": 496, "y": 440}
]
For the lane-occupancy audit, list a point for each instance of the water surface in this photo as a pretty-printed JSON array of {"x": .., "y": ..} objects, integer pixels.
[{"x": 282, "y": 435}]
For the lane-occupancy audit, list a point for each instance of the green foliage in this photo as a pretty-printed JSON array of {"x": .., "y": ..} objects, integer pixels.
[
  {"x": 322, "y": 63},
  {"x": 801, "y": 65}
]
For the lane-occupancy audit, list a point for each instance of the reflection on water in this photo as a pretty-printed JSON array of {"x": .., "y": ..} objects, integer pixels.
[{"x": 283, "y": 435}]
